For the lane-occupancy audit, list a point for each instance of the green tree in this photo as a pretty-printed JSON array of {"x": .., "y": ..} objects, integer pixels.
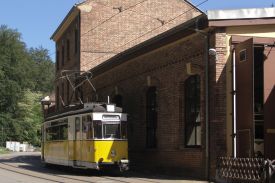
[
  {"x": 29, "y": 119},
  {"x": 14, "y": 69},
  {"x": 25, "y": 75},
  {"x": 43, "y": 69}
]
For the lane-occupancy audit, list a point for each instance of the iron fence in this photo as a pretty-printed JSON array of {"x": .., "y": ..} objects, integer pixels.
[{"x": 241, "y": 170}]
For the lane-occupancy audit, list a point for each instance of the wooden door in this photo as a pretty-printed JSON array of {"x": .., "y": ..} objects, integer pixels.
[
  {"x": 269, "y": 102},
  {"x": 245, "y": 98}
]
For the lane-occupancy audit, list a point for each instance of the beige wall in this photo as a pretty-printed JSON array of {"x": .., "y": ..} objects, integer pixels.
[{"x": 253, "y": 31}]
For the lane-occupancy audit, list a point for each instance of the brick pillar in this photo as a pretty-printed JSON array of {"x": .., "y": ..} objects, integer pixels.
[{"x": 217, "y": 94}]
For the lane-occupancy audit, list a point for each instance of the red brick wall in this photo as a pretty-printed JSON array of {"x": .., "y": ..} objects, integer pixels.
[
  {"x": 70, "y": 63},
  {"x": 167, "y": 70},
  {"x": 106, "y": 32}
]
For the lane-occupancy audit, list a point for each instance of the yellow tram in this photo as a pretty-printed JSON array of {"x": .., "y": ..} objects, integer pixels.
[{"x": 92, "y": 136}]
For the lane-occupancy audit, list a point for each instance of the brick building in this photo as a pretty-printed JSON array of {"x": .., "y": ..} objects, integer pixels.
[
  {"x": 94, "y": 31},
  {"x": 170, "y": 67}
]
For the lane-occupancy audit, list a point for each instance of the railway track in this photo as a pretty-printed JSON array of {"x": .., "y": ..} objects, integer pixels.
[
  {"x": 43, "y": 176},
  {"x": 21, "y": 165}
]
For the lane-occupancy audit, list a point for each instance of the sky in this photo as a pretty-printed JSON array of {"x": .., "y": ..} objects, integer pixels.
[{"x": 36, "y": 20}]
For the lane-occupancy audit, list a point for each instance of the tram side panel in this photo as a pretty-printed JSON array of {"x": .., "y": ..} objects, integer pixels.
[
  {"x": 56, "y": 152},
  {"x": 56, "y": 143},
  {"x": 88, "y": 151}
]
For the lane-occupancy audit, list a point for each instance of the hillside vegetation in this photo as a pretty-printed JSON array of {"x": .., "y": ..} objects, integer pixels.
[{"x": 26, "y": 75}]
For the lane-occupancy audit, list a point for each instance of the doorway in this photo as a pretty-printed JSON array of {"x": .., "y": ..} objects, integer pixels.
[
  {"x": 249, "y": 102},
  {"x": 258, "y": 101}
]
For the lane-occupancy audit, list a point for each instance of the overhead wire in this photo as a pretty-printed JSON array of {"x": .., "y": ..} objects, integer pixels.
[
  {"x": 111, "y": 16},
  {"x": 128, "y": 9},
  {"x": 106, "y": 21},
  {"x": 120, "y": 11},
  {"x": 113, "y": 51},
  {"x": 195, "y": 6},
  {"x": 87, "y": 78},
  {"x": 62, "y": 77}
]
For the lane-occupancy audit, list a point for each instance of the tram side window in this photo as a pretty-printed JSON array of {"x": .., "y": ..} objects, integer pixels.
[
  {"x": 57, "y": 132},
  {"x": 49, "y": 134},
  {"x": 63, "y": 129},
  {"x": 87, "y": 127},
  {"x": 97, "y": 129},
  {"x": 77, "y": 128},
  {"x": 52, "y": 133},
  {"x": 84, "y": 127}
]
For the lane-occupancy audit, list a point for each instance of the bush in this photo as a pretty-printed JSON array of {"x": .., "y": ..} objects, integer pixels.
[{"x": 4, "y": 150}]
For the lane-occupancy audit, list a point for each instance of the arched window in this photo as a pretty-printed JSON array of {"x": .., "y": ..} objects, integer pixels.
[
  {"x": 151, "y": 118},
  {"x": 192, "y": 111}
]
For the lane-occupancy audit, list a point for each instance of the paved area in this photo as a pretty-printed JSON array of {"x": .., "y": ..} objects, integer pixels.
[{"x": 26, "y": 167}]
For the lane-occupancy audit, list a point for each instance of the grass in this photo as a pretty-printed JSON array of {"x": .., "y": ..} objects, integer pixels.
[{"x": 4, "y": 150}]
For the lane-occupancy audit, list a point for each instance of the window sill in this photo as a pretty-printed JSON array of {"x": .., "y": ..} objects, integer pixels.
[{"x": 190, "y": 148}]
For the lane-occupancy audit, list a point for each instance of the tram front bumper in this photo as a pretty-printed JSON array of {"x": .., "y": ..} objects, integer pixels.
[{"x": 122, "y": 164}]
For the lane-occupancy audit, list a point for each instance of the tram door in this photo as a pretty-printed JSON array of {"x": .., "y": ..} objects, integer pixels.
[
  {"x": 78, "y": 141},
  {"x": 244, "y": 98},
  {"x": 71, "y": 138}
]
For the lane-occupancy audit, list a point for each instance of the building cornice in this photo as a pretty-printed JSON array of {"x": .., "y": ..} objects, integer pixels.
[{"x": 73, "y": 13}]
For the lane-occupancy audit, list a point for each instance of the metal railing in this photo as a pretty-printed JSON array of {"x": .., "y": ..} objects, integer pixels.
[
  {"x": 270, "y": 168},
  {"x": 241, "y": 170}
]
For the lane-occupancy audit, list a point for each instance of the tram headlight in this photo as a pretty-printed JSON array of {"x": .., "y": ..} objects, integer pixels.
[{"x": 100, "y": 160}]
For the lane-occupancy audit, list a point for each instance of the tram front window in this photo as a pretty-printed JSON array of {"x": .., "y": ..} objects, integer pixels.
[{"x": 112, "y": 131}]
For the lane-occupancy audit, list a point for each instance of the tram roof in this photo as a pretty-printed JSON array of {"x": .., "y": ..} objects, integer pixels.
[{"x": 81, "y": 109}]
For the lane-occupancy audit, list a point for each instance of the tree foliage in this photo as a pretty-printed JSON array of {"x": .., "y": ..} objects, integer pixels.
[
  {"x": 25, "y": 76},
  {"x": 43, "y": 69}
]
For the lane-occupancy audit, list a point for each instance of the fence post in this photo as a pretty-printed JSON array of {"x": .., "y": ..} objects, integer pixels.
[{"x": 267, "y": 174}]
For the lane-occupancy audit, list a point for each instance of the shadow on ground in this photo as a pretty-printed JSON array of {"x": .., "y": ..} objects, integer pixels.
[{"x": 33, "y": 163}]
